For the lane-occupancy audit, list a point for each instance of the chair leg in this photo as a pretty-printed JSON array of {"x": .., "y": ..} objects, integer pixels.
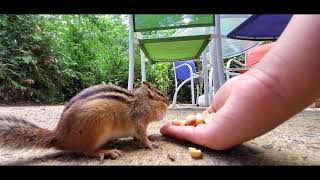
[
  {"x": 197, "y": 97},
  {"x": 228, "y": 76},
  {"x": 192, "y": 91},
  {"x": 174, "y": 101},
  {"x": 210, "y": 85}
]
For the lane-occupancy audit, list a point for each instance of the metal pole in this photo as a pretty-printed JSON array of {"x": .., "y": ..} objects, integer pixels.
[
  {"x": 131, "y": 54},
  {"x": 192, "y": 89},
  {"x": 216, "y": 81},
  {"x": 213, "y": 78},
  {"x": 205, "y": 76},
  {"x": 219, "y": 51},
  {"x": 143, "y": 65},
  {"x": 216, "y": 69}
]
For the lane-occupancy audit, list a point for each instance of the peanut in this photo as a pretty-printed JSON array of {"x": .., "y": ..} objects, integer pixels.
[
  {"x": 200, "y": 121},
  {"x": 183, "y": 123},
  {"x": 207, "y": 116},
  {"x": 176, "y": 122},
  {"x": 194, "y": 120},
  {"x": 190, "y": 117},
  {"x": 199, "y": 116},
  {"x": 191, "y": 123},
  {"x": 195, "y": 153}
]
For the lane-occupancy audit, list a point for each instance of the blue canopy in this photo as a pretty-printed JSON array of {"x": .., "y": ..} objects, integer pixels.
[{"x": 261, "y": 27}]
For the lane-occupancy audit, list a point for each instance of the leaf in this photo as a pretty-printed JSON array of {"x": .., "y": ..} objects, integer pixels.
[
  {"x": 17, "y": 85},
  {"x": 13, "y": 72}
]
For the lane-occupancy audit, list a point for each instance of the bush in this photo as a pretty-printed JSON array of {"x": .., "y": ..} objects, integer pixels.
[{"x": 50, "y": 58}]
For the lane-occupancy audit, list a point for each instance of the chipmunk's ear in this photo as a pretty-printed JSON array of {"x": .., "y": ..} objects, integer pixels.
[
  {"x": 147, "y": 84},
  {"x": 149, "y": 89},
  {"x": 137, "y": 86},
  {"x": 150, "y": 92}
]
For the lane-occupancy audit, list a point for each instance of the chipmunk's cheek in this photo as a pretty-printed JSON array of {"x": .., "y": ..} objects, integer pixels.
[{"x": 162, "y": 115}]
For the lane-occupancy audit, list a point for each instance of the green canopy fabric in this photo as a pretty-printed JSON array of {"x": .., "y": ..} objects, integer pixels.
[
  {"x": 174, "y": 48},
  {"x": 150, "y": 22},
  {"x": 230, "y": 47}
]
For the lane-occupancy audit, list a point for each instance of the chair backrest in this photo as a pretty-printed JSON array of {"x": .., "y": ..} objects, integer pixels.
[{"x": 183, "y": 72}]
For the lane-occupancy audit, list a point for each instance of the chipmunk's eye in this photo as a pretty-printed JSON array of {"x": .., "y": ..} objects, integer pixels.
[{"x": 160, "y": 93}]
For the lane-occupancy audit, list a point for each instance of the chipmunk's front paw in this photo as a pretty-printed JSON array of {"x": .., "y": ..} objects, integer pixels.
[
  {"x": 152, "y": 146},
  {"x": 154, "y": 137},
  {"x": 145, "y": 142}
]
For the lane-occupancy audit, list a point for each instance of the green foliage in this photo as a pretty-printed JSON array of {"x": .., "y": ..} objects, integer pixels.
[
  {"x": 21, "y": 58},
  {"x": 161, "y": 74},
  {"x": 159, "y": 33},
  {"x": 50, "y": 58}
]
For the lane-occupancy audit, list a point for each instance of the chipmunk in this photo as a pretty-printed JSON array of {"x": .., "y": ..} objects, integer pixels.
[{"x": 93, "y": 117}]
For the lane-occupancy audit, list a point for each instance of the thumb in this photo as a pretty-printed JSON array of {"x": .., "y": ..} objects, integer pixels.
[{"x": 221, "y": 96}]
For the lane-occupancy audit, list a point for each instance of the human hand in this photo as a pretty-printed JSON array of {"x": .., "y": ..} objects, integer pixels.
[{"x": 245, "y": 107}]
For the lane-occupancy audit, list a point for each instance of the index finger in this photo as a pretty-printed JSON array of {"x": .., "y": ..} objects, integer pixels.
[
  {"x": 222, "y": 95},
  {"x": 188, "y": 133}
]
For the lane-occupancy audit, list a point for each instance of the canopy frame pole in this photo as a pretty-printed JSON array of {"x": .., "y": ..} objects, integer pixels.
[
  {"x": 143, "y": 66},
  {"x": 131, "y": 54},
  {"x": 214, "y": 62},
  {"x": 212, "y": 75},
  {"x": 205, "y": 75},
  {"x": 219, "y": 51}
]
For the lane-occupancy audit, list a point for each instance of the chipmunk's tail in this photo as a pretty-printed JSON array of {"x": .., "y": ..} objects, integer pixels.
[{"x": 17, "y": 133}]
